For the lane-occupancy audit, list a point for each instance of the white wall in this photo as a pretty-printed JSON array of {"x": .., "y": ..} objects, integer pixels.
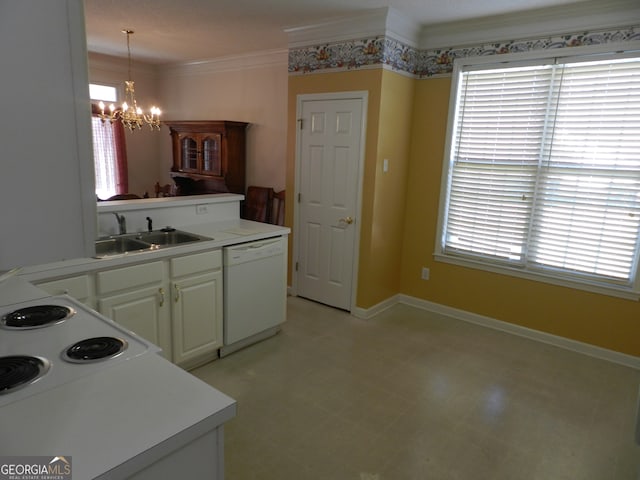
[
  {"x": 143, "y": 146},
  {"x": 251, "y": 88},
  {"x": 47, "y": 199}
]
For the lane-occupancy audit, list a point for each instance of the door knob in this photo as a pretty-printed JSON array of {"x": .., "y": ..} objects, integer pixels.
[{"x": 347, "y": 220}]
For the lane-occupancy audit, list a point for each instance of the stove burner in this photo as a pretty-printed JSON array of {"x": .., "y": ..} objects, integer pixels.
[
  {"x": 94, "y": 349},
  {"x": 20, "y": 370},
  {"x": 36, "y": 317}
]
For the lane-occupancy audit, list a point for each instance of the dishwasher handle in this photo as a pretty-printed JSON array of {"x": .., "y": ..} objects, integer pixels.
[{"x": 247, "y": 252}]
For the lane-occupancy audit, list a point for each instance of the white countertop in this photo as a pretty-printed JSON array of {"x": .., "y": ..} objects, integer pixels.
[
  {"x": 130, "y": 414},
  {"x": 16, "y": 290},
  {"x": 222, "y": 234},
  {"x": 117, "y": 421}
]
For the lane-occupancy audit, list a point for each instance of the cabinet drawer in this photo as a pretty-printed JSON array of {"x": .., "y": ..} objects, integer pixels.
[
  {"x": 196, "y": 263},
  {"x": 76, "y": 287},
  {"x": 128, "y": 277}
]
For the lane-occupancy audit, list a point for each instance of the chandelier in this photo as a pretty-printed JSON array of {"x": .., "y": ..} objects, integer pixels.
[{"x": 130, "y": 114}]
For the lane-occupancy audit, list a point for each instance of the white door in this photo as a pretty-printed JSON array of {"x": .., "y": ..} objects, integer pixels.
[{"x": 330, "y": 143}]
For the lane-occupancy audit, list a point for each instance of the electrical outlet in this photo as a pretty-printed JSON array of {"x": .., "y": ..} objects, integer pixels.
[
  {"x": 425, "y": 273},
  {"x": 201, "y": 210}
]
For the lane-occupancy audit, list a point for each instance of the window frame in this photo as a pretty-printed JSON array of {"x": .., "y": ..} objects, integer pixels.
[{"x": 560, "y": 55}]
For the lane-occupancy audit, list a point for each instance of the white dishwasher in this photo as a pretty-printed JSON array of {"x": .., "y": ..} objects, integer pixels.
[{"x": 255, "y": 291}]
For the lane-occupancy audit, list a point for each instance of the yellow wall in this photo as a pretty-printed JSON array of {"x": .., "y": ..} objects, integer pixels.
[
  {"x": 361, "y": 80},
  {"x": 381, "y": 245},
  {"x": 388, "y": 134},
  {"x": 600, "y": 320},
  {"x": 406, "y": 124}
]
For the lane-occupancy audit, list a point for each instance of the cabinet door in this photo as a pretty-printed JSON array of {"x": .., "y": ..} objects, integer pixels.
[
  {"x": 211, "y": 158},
  {"x": 189, "y": 149},
  {"x": 144, "y": 311},
  {"x": 197, "y": 318}
]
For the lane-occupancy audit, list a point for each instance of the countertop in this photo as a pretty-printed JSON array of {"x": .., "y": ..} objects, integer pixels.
[
  {"x": 125, "y": 417},
  {"x": 222, "y": 234},
  {"x": 117, "y": 421},
  {"x": 132, "y": 413}
]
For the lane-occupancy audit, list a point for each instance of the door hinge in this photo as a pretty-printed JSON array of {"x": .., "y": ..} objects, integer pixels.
[
  {"x": 301, "y": 123},
  {"x": 296, "y": 266},
  {"x": 299, "y": 197}
]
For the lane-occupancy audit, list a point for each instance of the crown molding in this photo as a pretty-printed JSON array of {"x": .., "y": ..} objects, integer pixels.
[
  {"x": 263, "y": 59},
  {"x": 376, "y": 22},
  {"x": 590, "y": 15}
]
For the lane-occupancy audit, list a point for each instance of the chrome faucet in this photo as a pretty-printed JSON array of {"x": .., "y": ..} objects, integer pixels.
[
  {"x": 149, "y": 224},
  {"x": 122, "y": 224}
]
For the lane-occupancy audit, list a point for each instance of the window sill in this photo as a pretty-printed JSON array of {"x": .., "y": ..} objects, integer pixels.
[{"x": 620, "y": 292}]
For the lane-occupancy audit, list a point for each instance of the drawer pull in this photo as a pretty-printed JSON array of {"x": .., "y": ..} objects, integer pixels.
[
  {"x": 177, "y": 297},
  {"x": 161, "y": 290}
]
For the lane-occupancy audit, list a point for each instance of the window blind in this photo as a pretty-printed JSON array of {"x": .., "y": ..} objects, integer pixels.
[{"x": 545, "y": 169}]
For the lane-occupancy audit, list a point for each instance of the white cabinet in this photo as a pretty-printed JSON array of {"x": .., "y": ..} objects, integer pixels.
[
  {"x": 175, "y": 303},
  {"x": 136, "y": 298},
  {"x": 78, "y": 287},
  {"x": 196, "y": 284}
]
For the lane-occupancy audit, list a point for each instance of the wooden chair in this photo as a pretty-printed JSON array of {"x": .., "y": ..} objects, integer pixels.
[
  {"x": 164, "y": 190},
  {"x": 277, "y": 208},
  {"x": 257, "y": 204}
]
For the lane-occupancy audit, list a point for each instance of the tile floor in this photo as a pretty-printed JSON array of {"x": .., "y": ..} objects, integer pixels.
[{"x": 414, "y": 395}]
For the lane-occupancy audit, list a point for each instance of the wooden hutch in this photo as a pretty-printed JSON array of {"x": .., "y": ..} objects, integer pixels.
[{"x": 208, "y": 156}]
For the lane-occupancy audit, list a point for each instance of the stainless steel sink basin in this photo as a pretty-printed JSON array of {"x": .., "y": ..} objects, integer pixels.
[
  {"x": 119, "y": 245},
  {"x": 139, "y": 242},
  {"x": 175, "y": 237}
]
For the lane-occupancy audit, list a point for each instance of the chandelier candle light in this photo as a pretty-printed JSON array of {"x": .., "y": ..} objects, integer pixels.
[{"x": 130, "y": 114}]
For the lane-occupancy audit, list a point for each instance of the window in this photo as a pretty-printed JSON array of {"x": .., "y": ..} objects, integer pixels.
[
  {"x": 543, "y": 171},
  {"x": 109, "y": 147},
  {"x": 105, "y": 93}
]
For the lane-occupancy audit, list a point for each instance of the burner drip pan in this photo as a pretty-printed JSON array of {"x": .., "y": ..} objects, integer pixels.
[
  {"x": 94, "y": 349},
  {"x": 36, "y": 316},
  {"x": 17, "y": 371}
]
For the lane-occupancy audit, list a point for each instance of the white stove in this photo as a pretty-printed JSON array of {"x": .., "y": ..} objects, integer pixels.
[{"x": 50, "y": 341}]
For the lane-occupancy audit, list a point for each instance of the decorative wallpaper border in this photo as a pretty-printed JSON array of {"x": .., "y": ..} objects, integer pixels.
[{"x": 387, "y": 52}]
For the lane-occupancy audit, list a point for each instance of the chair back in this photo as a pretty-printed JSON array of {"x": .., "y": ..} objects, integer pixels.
[
  {"x": 257, "y": 204},
  {"x": 277, "y": 208}
]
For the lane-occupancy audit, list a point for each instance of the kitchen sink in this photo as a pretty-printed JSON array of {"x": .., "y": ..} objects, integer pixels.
[
  {"x": 173, "y": 237},
  {"x": 143, "y": 241},
  {"x": 119, "y": 245}
]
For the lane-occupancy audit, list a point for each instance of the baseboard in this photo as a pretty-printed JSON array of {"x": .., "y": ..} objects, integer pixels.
[
  {"x": 562, "y": 342},
  {"x": 366, "y": 313}
]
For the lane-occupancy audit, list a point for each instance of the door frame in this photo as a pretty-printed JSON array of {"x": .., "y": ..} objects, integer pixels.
[{"x": 362, "y": 95}]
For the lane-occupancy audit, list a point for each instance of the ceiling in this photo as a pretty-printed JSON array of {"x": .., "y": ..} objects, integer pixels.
[{"x": 170, "y": 31}]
